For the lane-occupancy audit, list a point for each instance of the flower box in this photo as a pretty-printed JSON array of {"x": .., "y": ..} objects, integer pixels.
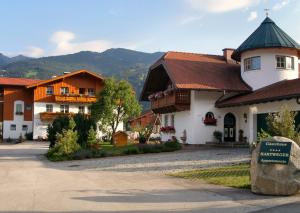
[
  {"x": 210, "y": 121},
  {"x": 167, "y": 129}
]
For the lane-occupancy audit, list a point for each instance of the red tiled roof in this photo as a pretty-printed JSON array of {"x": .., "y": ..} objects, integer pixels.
[
  {"x": 17, "y": 81},
  {"x": 200, "y": 72},
  {"x": 281, "y": 90}
]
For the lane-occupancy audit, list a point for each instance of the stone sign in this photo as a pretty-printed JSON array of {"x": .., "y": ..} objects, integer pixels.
[
  {"x": 274, "y": 152},
  {"x": 275, "y": 167}
]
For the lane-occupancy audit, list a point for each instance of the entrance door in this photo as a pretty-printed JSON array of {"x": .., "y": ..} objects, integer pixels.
[{"x": 229, "y": 127}]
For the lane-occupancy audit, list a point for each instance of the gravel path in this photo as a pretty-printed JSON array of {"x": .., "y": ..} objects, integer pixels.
[{"x": 162, "y": 162}]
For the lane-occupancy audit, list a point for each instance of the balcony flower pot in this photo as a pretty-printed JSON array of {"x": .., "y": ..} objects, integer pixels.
[
  {"x": 210, "y": 121},
  {"x": 167, "y": 130}
]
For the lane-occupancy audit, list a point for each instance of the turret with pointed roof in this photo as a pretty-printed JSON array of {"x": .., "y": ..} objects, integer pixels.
[{"x": 267, "y": 35}]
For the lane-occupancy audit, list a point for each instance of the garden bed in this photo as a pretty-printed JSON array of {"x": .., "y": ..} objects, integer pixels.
[
  {"x": 237, "y": 176},
  {"x": 108, "y": 150}
]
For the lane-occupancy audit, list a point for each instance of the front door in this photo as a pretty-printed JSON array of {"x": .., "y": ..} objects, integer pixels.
[{"x": 229, "y": 128}]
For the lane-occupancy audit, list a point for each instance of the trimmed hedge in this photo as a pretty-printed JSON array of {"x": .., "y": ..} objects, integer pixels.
[{"x": 116, "y": 151}]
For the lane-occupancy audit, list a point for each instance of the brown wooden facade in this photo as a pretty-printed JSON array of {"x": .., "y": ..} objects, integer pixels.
[
  {"x": 175, "y": 101},
  {"x": 13, "y": 93}
]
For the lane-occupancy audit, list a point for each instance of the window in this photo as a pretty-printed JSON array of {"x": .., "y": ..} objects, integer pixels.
[
  {"x": 81, "y": 109},
  {"x": 24, "y": 127},
  {"x": 19, "y": 109},
  {"x": 49, "y": 90},
  {"x": 284, "y": 62},
  {"x": 64, "y": 108},
  {"x": 89, "y": 109},
  {"x": 252, "y": 63},
  {"x": 82, "y": 91},
  {"x": 166, "y": 118},
  {"x": 91, "y": 91},
  {"x": 13, "y": 127},
  {"x": 49, "y": 108},
  {"x": 172, "y": 120},
  {"x": 64, "y": 90}
]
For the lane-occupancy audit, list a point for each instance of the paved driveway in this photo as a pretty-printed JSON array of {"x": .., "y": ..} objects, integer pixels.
[{"x": 30, "y": 183}]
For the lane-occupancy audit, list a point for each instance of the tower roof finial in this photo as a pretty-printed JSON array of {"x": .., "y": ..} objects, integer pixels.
[{"x": 267, "y": 11}]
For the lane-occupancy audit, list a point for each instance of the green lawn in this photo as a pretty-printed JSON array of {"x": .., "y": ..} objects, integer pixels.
[{"x": 234, "y": 176}]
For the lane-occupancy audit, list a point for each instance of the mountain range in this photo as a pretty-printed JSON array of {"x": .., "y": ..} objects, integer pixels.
[{"x": 118, "y": 62}]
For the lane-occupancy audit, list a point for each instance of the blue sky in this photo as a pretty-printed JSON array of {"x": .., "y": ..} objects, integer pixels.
[{"x": 53, "y": 27}]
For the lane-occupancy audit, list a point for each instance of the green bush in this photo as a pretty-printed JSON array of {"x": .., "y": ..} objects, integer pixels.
[
  {"x": 29, "y": 136},
  {"x": 170, "y": 146},
  {"x": 66, "y": 143},
  {"x": 132, "y": 150},
  {"x": 218, "y": 135},
  {"x": 57, "y": 126},
  {"x": 281, "y": 124},
  {"x": 151, "y": 148},
  {"x": 83, "y": 125},
  {"x": 91, "y": 138},
  {"x": 82, "y": 154}
]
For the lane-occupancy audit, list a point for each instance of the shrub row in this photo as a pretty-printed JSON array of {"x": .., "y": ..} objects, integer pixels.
[{"x": 128, "y": 150}]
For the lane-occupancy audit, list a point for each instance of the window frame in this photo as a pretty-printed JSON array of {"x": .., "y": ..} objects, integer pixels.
[
  {"x": 89, "y": 110},
  {"x": 166, "y": 120},
  {"x": 81, "y": 111},
  {"x": 284, "y": 62},
  {"x": 172, "y": 119},
  {"x": 248, "y": 63},
  {"x": 19, "y": 109},
  {"x": 25, "y": 127},
  {"x": 13, "y": 127},
  {"x": 64, "y": 108},
  {"x": 64, "y": 91},
  {"x": 49, "y": 106},
  {"x": 91, "y": 93},
  {"x": 83, "y": 89},
  {"x": 47, "y": 90}
]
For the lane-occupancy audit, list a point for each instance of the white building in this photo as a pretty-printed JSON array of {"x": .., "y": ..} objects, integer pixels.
[
  {"x": 28, "y": 105},
  {"x": 197, "y": 94}
]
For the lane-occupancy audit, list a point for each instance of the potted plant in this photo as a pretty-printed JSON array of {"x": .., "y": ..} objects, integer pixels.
[
  {"x": 210, "y": 121},
  {"x": 218, "y": 135}
]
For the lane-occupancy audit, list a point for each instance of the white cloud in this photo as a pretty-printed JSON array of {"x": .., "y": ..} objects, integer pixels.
[
  {"x": 252, "y": 16},
  {"x": 281, "y": 4},
  {"x": 220, "y": 6},
  {"x": 65, "y": 44},
  {"x": 190, "y": 19},
  {"x": 33, "y": 51}
]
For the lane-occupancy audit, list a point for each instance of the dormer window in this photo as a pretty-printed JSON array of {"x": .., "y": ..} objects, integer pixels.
[
  {"x": 284, "y": 62},
  {"x": 252, "y": 63}
]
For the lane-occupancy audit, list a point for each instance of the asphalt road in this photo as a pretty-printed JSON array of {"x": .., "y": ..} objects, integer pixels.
[{"x": 30, "y": 183}]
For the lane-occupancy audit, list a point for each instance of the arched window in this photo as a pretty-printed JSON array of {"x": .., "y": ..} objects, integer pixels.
[
  {"x": 210, "y": 119},
  {"x": 209, "y": 115}
]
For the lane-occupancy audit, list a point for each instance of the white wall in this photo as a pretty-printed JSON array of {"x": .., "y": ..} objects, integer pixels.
[
  {"x": 40, "y": 128},
  {"x": 268, "y": 74},
  {"x": 192, "y": 120},
  {"x": 18, "y": 120}
]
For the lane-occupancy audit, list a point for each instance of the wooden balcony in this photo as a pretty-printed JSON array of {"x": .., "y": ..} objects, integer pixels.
[
  {"x": 50, "y": 116},
  {"x": 75, "y": 98},
  {"x": 175, "y": 101}
]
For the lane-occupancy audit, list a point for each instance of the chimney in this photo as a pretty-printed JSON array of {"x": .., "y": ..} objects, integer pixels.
[{"x": 227, "y": 52}]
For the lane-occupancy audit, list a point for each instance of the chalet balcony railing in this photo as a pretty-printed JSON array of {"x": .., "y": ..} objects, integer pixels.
[
  {"x": 174, "y": 101},
  {"x": 50, "y": 116},
  {"x": 75, "y": 98}
]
